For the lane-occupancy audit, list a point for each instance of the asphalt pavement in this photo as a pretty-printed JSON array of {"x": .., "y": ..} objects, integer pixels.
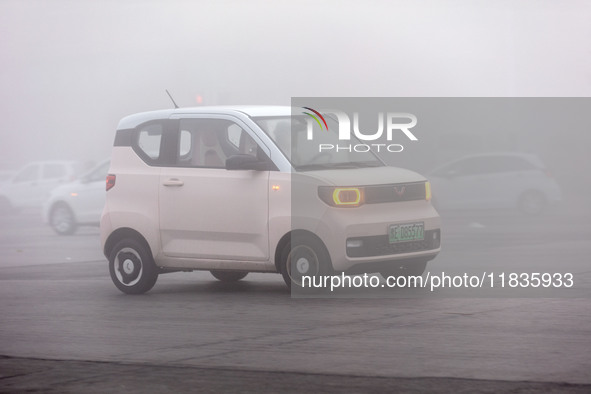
[{"x": 66, "y": 328}]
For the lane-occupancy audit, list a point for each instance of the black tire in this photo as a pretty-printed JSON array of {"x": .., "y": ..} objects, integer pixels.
[
  {"x": 228, "y": 276},
  {"x": 303, "y": 256},
  {"x": 532, "y": 203},
  {"x": 132, "y": 267},
  {"x": 62, "y": 220}
]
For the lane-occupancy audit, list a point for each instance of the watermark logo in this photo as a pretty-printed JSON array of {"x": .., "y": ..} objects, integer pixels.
[
  {"x": 315, "y": 118},
  {"x": 390, "y": 124}
]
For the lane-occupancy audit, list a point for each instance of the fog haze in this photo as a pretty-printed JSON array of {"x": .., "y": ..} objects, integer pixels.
[
  {"x": 70, "y": 70},
  {"x": 500, "y": 90}
]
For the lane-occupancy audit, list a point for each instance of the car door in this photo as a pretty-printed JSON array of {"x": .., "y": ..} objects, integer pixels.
[
  {"x": 500, "y": 182},
  {"x": 479, "y": 182},
  {"x": 515, "y": 176},
  {"x": 206, "y": 211},
  {"x": 462, "y": 185},
  {"x": 52, "y": 175}
]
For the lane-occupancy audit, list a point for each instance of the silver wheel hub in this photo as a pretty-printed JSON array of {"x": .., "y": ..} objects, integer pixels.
[
  {"x": 128, "y": 266},
  {"x": 302, "y": 261},
  {"x": 302, "y": 265},
  {"x": 61, "y": 219}
]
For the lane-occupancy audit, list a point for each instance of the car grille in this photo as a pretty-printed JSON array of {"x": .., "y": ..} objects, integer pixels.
[
  {"x": 379, "y": 245},
  {"x": 394, "y": 192}
]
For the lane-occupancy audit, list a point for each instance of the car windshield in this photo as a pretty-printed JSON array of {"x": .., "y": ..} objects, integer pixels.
[{"x": 323, "y": 151}]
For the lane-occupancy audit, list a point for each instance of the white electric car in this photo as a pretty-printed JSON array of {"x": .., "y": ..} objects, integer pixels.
[{"x": 232, "y": 190}]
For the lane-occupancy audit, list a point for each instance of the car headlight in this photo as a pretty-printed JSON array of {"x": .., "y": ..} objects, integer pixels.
[
  {"x": 428, "y": 191},
  {"x": 342, "y": 197}
]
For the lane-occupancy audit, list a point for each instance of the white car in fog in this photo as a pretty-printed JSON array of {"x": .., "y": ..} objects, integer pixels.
[
  {"x": 77, "y": 203},
  {"x": 495, "y": 180},
  {"x": 31, "y": 186},
  {"x": 232, "y": 190}
]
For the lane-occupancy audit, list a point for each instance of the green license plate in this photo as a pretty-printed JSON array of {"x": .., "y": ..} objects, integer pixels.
[{"x": 406, "y": 232}]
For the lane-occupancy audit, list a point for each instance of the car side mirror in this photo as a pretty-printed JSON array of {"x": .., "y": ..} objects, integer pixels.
[{"x": 247, "y": 162}]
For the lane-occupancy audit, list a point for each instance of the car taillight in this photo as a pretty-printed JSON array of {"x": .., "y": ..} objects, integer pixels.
[{"x": 110, "y": 181}]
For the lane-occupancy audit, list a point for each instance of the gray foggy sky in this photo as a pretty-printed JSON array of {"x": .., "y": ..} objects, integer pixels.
[{"x": 70, "y": 70}]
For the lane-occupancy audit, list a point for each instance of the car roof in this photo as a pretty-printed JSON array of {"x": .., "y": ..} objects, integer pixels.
[{"x": 249, "y": 110}]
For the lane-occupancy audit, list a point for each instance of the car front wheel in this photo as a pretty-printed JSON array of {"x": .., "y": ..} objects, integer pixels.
[
  {"x": 228, "y": 276},
  {"x": 303, "y": 257},
  {"x": 132, "y": 267},
  {"x": 62, "y": 220}
]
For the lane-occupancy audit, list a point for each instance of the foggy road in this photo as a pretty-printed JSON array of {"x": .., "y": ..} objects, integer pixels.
[
  {"x": 59, "y": 303},
  {"x": 498, "y": 96}
]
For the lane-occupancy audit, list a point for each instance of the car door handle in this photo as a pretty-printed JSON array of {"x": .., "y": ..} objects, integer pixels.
[{"x": 173, "y": 182}]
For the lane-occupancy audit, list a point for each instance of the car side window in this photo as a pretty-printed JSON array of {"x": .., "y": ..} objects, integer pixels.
[
  {"x": 512, "y": 163},
  {"x": 209, "y": 143},
  {"x": 148, "y": 140},
  {"x": 185, "y": 144},
  {"x": 457, "y": 168},
  {"x": 476, "y": 166},
  {"x": 495, "y": 165},
  {"x": 28, "y": 174},
  {"x": 53, "y": 171},
  {"x": 234, "y": 133}
]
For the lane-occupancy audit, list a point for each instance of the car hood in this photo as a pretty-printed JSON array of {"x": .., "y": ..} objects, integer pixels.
[{"x": 364, "y": 176}]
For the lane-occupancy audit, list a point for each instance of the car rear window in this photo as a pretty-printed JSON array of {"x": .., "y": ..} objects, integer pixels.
[{"x": 149, "y": 139}]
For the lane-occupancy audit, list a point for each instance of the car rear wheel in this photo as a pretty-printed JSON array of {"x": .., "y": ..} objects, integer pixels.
[
  {"x": 532, "y": 202},
  {"x": 303, "y": 256},
  {"x": 132, "y": 267},
  {"x": 62, "y": 220},
  {"x": 228, "y": 276}
]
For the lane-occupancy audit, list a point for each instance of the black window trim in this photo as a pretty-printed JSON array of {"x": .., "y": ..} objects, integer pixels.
[
  {"x": 129, "y": 137},
  {"x": 169, "y": 144},
  {"x": 261, "y": 151}
]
